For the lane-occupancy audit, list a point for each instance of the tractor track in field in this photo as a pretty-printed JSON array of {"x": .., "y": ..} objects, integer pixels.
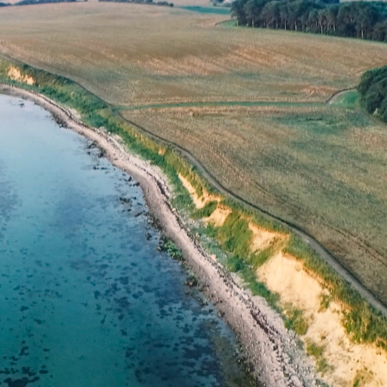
[{"x": 204, "y": 104}]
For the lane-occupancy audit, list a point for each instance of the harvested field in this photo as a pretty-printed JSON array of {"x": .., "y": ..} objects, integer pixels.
[
  {"x": 320, "y": 167},
  {"x": 148, "y": 55}
]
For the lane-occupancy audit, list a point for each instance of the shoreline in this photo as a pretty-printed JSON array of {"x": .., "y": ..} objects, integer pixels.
[{"x": 272, "y": 349}]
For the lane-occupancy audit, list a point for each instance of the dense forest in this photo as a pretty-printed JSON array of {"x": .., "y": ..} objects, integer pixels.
[
  {"x": 149, "y": 2},
  {"x": 359, "y": 19},
  {"x": 373, "y": 91}
]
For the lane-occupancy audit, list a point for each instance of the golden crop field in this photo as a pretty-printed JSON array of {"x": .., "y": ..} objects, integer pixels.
[
  {"x": 136, "y": 54},
  {"x": 249, "y": 104}
]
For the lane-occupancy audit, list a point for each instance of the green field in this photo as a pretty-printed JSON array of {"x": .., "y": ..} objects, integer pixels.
[
  {"x": 208, "y": 10},
  {"x": 248, "y": 104},
  {"x": 349, "y": 99}
]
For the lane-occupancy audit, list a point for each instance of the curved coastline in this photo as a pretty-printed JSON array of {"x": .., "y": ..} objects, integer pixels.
[
  {"x": 269, "y": 346},
  {"x": 324, "y": 253}
]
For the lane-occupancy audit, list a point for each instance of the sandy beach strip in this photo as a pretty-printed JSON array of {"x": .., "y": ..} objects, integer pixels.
[{"x": 274, "y": 351}]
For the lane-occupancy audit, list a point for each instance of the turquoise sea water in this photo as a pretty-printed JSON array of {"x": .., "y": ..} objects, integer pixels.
[{"x": 86, "y": 300}]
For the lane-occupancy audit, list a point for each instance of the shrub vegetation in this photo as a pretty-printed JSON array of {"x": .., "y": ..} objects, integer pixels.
[{"x": 373, "y": 91}]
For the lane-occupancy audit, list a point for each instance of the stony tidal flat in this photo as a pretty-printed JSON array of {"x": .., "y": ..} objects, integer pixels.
[{"x": 86, "y": 299}]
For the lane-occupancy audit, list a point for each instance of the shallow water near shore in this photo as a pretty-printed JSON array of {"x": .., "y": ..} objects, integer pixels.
[{"x": 85, "y": 297}]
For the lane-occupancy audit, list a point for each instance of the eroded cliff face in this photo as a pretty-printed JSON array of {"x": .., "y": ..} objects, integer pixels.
[
  {"x": 306, "y": 301},
  {"x": 341, "y": 361},
  {"x": 15, "y": 74}
]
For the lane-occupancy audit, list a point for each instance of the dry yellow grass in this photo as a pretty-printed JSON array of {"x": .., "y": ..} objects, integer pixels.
[
  {"x": 219, "y": 216},
  {"x": 263, "y": 239},
  {"x": 320, "y": 167}
]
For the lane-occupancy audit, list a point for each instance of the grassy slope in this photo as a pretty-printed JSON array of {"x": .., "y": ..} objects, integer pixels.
[{"x": 319, "y": 167}]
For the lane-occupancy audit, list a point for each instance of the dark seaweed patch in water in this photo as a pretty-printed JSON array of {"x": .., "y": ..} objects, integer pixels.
[
  {"x": 20, "y": 382},
  {"x": 24, "y": 351}
]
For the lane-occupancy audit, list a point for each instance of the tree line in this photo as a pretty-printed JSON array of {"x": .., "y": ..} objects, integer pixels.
[
  {"x": 373, "y": 91},
  {"x": 358, "y": 19}
]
